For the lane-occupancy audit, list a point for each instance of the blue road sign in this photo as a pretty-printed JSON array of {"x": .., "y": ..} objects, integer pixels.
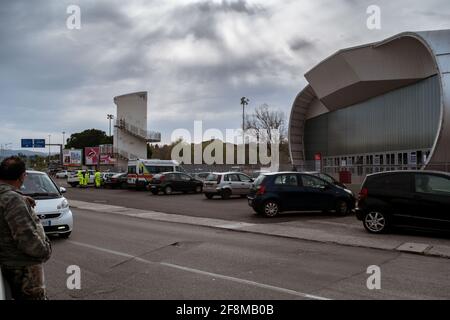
[
  {"x": 27, "y": 143},
  {"x": 39, "y": 143}
]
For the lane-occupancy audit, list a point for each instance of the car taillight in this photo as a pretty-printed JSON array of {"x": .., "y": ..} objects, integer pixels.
[
  {"x": 363, "y": 193},
  {"x": 261, "y": 189},
  {"x": 162, "y": 178}
]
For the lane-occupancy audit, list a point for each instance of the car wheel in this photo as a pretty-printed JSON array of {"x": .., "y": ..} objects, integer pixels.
[
  {"x": 342, "y": 207},
  {"x": 124, "y": 185},
  {"x": 198, "y": 189},
  {"x": 271, "y": 208},
  {"x": 154, "y": 192},
  {"x": 168, "y": 190},
  {"x": 375, "y": 221},
  {"x": 73, "y": 185},
  {"x": 226, "y": 194},
  {"x": 65, "y": 235},
  {"x": 209, "y": 195}
]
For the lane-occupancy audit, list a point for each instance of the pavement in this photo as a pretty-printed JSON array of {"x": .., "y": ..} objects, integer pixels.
[
  {"x": 121, "y": 255},
  {"x": 342, "y": 231}
]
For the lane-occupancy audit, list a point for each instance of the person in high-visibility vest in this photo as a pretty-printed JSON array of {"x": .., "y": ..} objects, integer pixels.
[
  {"x": 86, "y": 178},
  {"x": 98, "y": 179},
  {"x": 80, "y": 178}
]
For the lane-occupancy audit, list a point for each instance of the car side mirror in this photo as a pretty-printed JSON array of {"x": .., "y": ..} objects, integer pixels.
[{"x": 62, "y": 190}]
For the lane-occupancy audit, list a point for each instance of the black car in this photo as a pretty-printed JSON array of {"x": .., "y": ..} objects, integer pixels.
[
  {"x": 169, "y": 182},
  {"x": 116, "y": 181},
  {"x": 414, "y": 199},
  {"x": 273, "y": 193}
]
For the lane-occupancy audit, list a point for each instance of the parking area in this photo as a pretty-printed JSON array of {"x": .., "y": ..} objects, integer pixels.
[{"x": 317, "y": 226}]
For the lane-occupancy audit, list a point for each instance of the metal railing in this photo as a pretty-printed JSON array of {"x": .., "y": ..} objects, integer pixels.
[{"x": 149, "y": 136}]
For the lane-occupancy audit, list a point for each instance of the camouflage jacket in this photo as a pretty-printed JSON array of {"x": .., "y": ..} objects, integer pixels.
[{"x": 22, "y": 238}]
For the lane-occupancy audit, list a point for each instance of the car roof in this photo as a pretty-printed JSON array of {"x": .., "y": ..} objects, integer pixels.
[
  {"x": 408, "y": 171},
  {"x": 35, "y": 172},
  {"x": 230, "y": 172}
]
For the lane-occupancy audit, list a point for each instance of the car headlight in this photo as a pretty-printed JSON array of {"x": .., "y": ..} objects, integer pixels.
[{"x": 63, "y": 205}]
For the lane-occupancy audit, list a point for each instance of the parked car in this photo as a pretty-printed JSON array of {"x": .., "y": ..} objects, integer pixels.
[
  {"x": 170, "y": 182},
  {"x": 273, "y": 193},
  {"x": 62, "y": 174},
  {"x": 51, "y": 207},
  {"x": 226, "y": 184},
  {"x": 413, "y": 199},
  {"x": 118, "y": 180},
  {"x": 2, "y": 287}
]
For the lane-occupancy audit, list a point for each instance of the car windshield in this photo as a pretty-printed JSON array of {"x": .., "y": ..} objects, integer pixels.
[
  {"x": 39, "y": 185},
  {"x": 327, "y": 178}
]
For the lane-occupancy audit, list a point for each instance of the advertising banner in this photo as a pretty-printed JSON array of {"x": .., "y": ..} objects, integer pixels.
[
  {"x": 106, "y": 159},
  {"x": 72, "y": 158},
  {"x": 92, "y": 156}
]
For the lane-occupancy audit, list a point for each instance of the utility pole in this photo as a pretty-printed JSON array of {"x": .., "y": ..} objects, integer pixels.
[
  {"x": 110, "y": 117},
  {"x": 244, "y": 102},
  {"x": 49, "y": 136},
  {"x": 64, "y": 141}
]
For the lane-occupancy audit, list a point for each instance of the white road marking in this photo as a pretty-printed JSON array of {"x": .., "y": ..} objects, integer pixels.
[{"x": 205, "y": 273}]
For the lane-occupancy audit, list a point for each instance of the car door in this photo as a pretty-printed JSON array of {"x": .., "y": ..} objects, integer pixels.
[
  {"x": 431, "y": 201},
  {"x": 246, "y": 183},
  {"x": 235, "y": 183},
  {"x": 286, "y": 186},
  {"x": 175, "y": 181},
  {"x": 317, "y": 194},
  {"x": 186, "y": 182}
]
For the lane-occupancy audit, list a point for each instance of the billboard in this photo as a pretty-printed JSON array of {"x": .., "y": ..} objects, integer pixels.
[
  {"x": 106, "y": 154},
  {"x": 72, "y": 157},
  {"x": 106, "y": 159},
  {"x": 92, "y": 156}
]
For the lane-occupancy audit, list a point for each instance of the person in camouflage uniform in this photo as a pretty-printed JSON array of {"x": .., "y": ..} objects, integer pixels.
[{"x": 23, "y": 243}]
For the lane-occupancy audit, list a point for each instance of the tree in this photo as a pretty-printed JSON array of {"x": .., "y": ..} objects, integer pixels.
[
  {"x": 88, "y": 138},
  {"x": 263, "y": 121}
]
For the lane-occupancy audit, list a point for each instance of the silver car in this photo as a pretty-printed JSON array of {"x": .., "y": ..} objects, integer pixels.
[{"x": 226, "y": 184}]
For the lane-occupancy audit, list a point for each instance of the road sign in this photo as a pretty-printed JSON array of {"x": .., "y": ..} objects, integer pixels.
[
  {"x": 27, "y": 143},
  {"x": 39, "y": 143}
]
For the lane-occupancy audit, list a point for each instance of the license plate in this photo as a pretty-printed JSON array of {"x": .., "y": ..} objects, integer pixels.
[{"x": 46, "y": 223}]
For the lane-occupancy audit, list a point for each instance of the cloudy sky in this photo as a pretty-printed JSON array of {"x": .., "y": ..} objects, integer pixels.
[{"x": 196, "y": 59}]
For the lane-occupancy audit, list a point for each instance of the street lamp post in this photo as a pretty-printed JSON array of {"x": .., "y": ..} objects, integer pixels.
[
  {"x": 110, "y": 117},
  {"x": 244, "y": 102},
  {"x": 49, "y": 136}
]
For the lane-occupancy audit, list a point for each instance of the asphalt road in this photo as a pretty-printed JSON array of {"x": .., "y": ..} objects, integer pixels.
[
  {"x": 196, "y": 205},
  {"x": 122, "y": 257}
]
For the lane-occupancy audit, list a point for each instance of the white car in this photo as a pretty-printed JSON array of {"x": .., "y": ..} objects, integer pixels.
[
  {"x": 62, "y": 174},
  {"x": 2, "y": 287},
  {"x": 51, "y": 207}
]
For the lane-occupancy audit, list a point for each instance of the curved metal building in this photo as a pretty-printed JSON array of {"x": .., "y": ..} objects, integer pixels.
[{"x": 377, "y": 106}]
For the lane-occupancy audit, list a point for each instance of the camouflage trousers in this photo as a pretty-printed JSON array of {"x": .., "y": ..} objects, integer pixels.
[{"x": 26, "y": 283}]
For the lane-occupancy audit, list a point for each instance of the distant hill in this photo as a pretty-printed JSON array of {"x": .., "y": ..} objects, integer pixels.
[{"x": 7, "y": 153}]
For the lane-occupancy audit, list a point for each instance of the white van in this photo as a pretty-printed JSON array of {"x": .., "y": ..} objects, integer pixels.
[{"x": 141, "y": 171}]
